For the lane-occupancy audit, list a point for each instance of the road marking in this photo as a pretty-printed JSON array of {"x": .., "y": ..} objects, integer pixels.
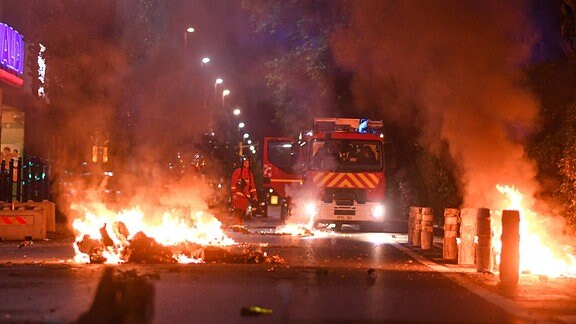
[{"x": 508, "y": 305}]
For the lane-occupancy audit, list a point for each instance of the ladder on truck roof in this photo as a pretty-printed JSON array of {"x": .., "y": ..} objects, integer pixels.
[{"x": 361, "y": 125}]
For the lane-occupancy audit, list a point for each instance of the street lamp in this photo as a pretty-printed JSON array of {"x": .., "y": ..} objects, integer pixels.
[
  {"x": 206, "y": 94},
  {"x": 216, "y": 83},
  {"x": 188, "y": 31},
  {"x": 225, "y": 93},
  {"x": 236, "y": 112}
]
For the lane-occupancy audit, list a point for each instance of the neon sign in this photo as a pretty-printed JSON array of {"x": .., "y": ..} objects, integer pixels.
[{"x": 11, "y": 49}]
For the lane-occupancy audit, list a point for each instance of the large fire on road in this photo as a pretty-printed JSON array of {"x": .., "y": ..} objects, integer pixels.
[{"x": 107, "y": 234}]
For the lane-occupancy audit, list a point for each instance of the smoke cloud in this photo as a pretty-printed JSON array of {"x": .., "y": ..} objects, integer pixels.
[
  {"x": 126, "y": 76},
  {"x": 452, "y": 71}
]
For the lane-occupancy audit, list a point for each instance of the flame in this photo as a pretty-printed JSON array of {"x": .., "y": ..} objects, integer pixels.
[
  {"x": 544, "y": 248},
  {"x": 294, "y": 230},
  {"x": 174, "y": 227}
]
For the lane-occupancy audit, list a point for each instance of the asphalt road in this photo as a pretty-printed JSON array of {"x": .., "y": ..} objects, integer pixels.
[{"x": 347, "y": 277}]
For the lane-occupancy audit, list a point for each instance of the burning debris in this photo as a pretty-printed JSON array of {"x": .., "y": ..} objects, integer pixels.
[
  {"x": 201, "y": 241},
  {"x": 175, "y": 229},
  {"x": 144, "y": 249},
  {"x": 289, "y": 229},
  {"x": 139, "y": 249},
  {"x": 294, "y": 229}
]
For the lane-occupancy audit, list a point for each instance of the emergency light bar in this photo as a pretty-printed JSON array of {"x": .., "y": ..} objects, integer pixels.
[{"x": 361, "y": 125}]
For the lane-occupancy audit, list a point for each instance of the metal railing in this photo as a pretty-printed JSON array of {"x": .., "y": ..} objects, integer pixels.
[{"x": 23, "y": 180}]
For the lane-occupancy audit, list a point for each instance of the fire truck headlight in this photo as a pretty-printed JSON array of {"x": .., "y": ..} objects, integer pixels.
[
  {"x": 377, "y": 211},
  {"x": 311, "y": 210}
]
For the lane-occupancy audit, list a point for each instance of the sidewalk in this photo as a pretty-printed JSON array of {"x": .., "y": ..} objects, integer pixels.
[{"x": 536, "y": 298}]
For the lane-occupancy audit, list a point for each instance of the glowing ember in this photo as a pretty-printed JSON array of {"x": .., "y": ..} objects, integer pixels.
[
  {"x": 294, "y": 229},
  {"x": 545, "y": 249},
  {"x": 179, "y": 228}
]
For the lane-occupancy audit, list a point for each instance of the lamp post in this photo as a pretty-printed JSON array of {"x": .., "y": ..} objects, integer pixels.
[
  {"x": 217, "y": 82},
  {"x": 205, "y": 93},
  {"x": 187, "y": 32},
  {"x": 215, "y": 102},
  {"x": 241, "y": 126},
  {"x": 225, "y": 93}
]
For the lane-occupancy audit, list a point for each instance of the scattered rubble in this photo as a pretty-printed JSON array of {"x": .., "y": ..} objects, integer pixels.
[{"x": 144, "y": 249}]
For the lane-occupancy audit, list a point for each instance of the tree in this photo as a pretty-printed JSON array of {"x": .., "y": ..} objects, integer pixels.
[
  {"x": 553, "y": 146},
  {"x": 309, "y": 81},
  {"x": 301, "y": 71}
]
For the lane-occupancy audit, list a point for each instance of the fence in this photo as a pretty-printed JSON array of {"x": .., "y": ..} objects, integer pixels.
[{"x": 24, "y": 179}]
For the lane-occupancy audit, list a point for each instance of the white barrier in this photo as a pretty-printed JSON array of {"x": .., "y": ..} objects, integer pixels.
[{"x": 21, "y": 220}]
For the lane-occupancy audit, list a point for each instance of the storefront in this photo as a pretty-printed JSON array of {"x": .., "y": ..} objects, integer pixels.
[{"x": 12, "y": 51}]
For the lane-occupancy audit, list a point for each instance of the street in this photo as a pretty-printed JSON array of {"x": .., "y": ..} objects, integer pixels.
[
  {"x": 327, "y": 277},
  {"x": 132, "y": 132}
]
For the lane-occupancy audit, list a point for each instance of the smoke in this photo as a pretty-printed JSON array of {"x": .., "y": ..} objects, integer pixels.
[
  {"x": 451, "y": 70},
  {"x": 122, "y": 70}
]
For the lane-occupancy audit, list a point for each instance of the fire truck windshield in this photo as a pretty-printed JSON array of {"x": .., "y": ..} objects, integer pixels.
[{"x": 346, "y": 155}]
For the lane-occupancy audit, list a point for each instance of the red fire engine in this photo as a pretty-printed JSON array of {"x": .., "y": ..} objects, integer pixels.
[{"x": 333, "y": 174}]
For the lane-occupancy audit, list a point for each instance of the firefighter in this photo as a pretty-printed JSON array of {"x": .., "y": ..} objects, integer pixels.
[
  {"x": 243, "y": 190},
  {"x": 366, "y": 155}
]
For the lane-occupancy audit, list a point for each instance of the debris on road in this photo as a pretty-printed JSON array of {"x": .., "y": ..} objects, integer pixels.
[
  {"x": 26, "y": 243},
  {"x": 255, "y": 311},
  {"x": 144, "y": 249}
]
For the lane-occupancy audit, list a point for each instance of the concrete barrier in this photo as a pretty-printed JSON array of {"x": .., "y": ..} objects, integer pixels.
[
  {"x": 19, "y": 220},
  {"x": 18, "y": 225}
]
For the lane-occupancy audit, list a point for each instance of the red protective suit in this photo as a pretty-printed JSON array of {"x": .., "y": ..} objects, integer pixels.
[{"x": 243, "y": 189}]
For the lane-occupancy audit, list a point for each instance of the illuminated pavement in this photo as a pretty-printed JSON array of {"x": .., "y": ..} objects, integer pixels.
[
  {"x": 535, "y": 298},
  {"x": 39, "y": 284}
]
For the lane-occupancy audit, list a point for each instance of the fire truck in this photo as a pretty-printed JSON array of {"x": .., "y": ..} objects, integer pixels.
[{"x": 333, "y": 174}]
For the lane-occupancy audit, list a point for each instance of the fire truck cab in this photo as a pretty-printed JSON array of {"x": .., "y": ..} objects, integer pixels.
[{"x": 333, "y": 174}]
